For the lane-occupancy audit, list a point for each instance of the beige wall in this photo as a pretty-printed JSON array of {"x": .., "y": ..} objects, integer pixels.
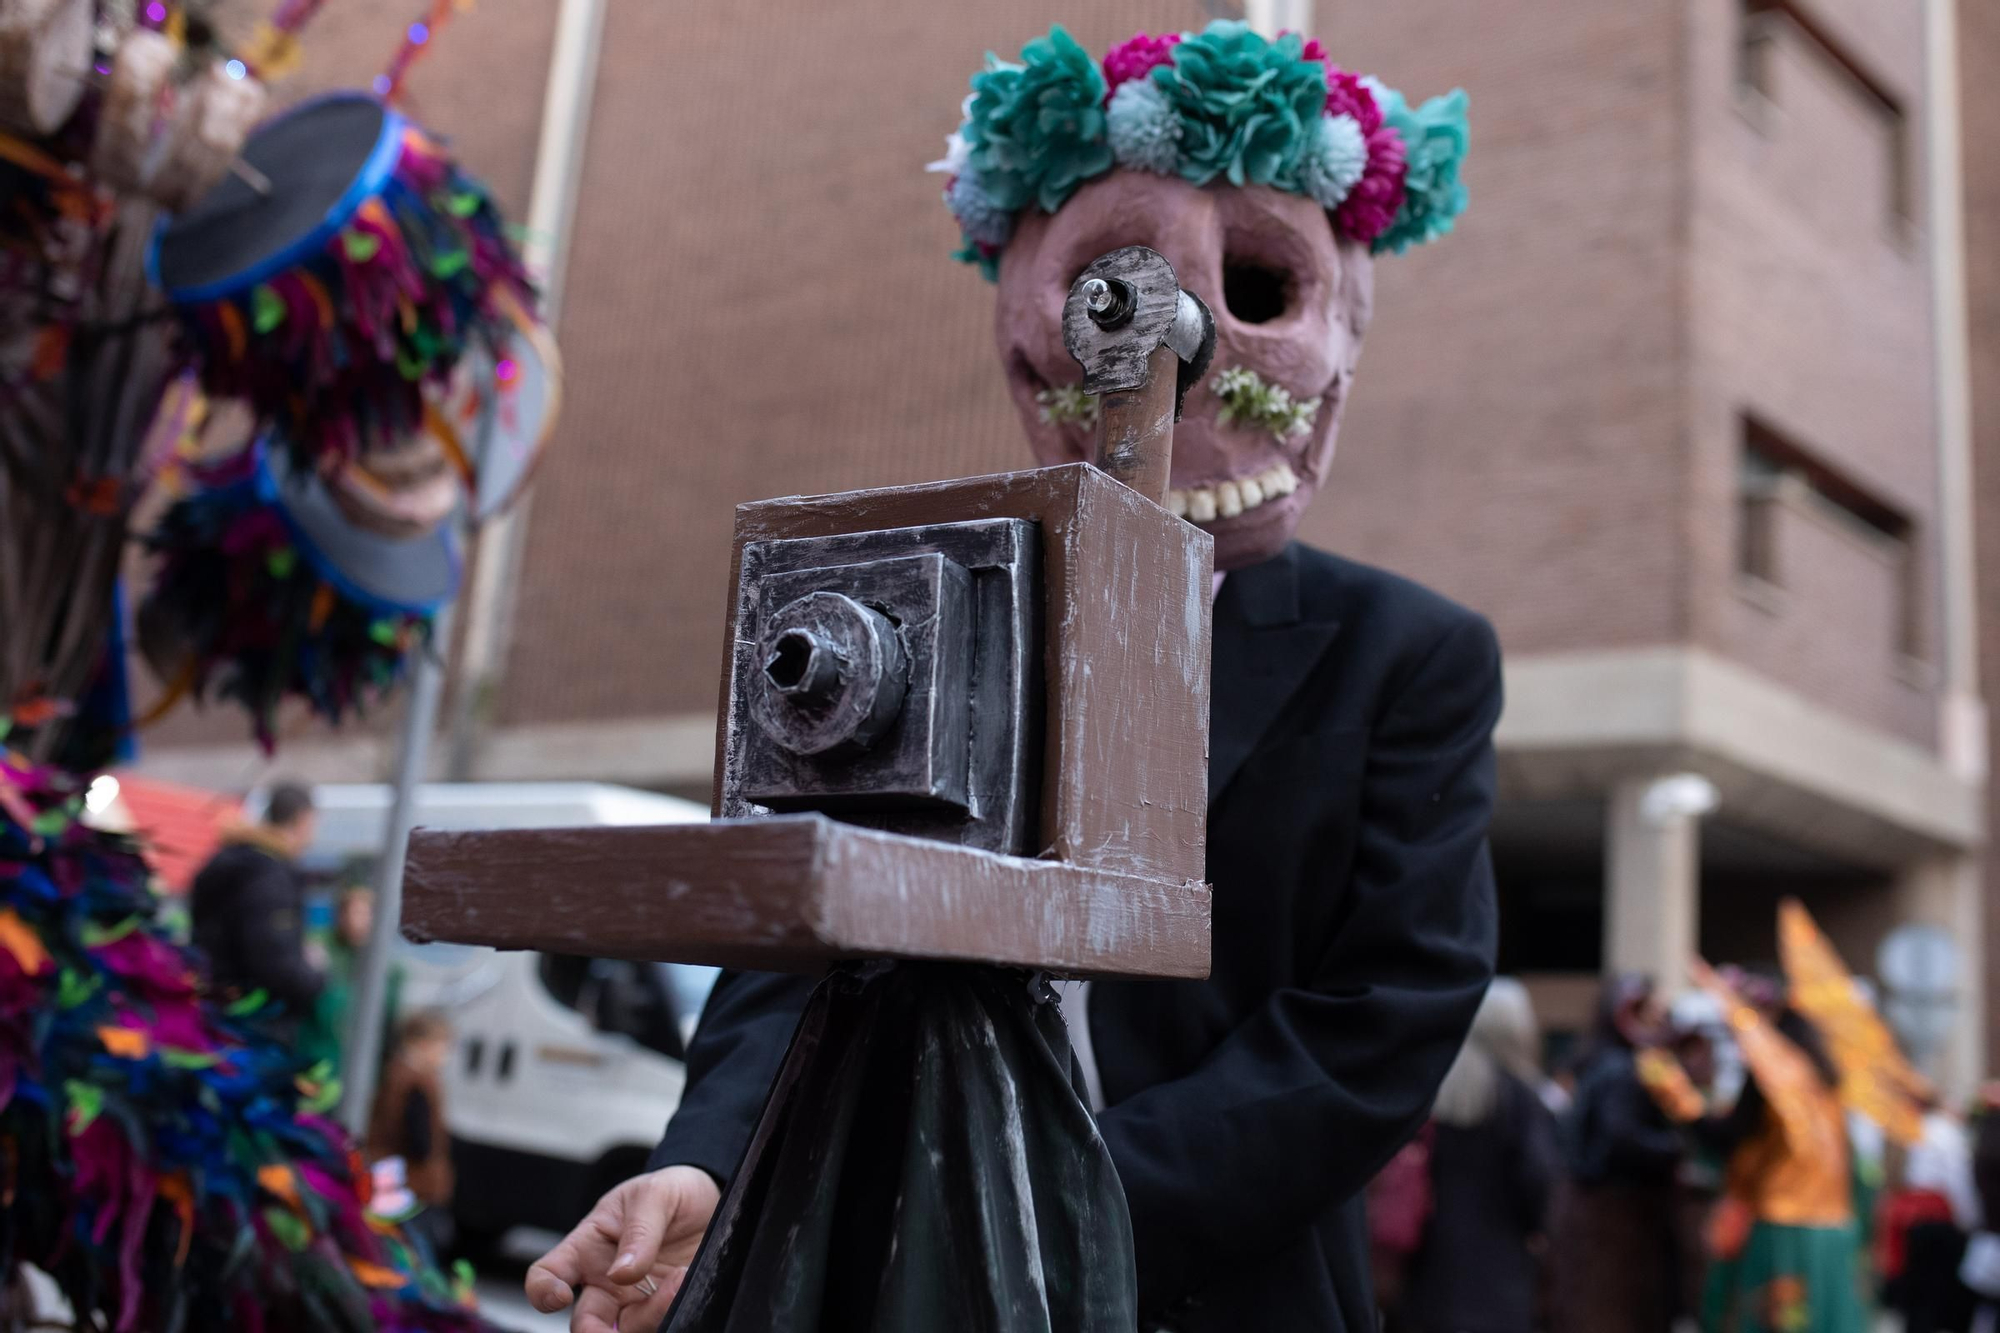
[
  {"x": 1809, "y": 308},
  {"x": 1545, "y": 425},
  {"x": 1513, "y": 433},
  {"x": 760, "y": 302}
]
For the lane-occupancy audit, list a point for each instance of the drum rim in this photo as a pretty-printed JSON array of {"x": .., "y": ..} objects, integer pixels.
[
  {"x": 270, "y": 490},
  {"x": 373, "y": 175}
]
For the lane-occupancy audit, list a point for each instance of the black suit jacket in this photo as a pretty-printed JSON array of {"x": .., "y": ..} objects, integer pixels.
[{"x": 1350, "y": 781}]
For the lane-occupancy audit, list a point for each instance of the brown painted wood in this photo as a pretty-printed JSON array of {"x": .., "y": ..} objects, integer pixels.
[
  {"x": 1135, "y": 428},
  {"x": 793, "y": 893},
  {"x": 1126, "y": 633}
]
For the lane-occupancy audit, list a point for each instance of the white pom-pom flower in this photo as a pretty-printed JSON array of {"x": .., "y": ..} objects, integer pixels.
[{"x": 1335, "y": 159}]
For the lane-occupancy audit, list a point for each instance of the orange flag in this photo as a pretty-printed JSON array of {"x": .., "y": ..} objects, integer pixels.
[
  {"x": 1875, "y": 1079},
  {"x": 1786, "y": 1077}
]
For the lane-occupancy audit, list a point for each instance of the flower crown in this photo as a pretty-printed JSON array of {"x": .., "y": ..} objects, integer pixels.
[{"x": 1225, "y": 102}]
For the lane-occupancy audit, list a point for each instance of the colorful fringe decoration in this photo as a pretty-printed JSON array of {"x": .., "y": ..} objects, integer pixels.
[
  {"x": 237, "y": 609},
  {"x": 336, "y": 351},
  {"x": 171, "y": 1168}
]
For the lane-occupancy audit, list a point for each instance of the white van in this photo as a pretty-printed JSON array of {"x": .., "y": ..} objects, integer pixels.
[{"x": 564, "y": 1069}]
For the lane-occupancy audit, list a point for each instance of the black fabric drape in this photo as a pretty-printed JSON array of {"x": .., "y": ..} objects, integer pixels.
[{"x": 925, "y": 1162}]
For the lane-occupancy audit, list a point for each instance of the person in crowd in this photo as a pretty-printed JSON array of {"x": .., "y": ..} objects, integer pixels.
[
  {"x": 1494, "y": 1163},
  {"x": 1614, "y": 1242},
  {"x": 1927, "y": 1220},
  {"x": 1696, "y": 1030},
  {"x": 1784, "y": 1257},
  {"x": 1516, "y": 1041},
  {"x": 407, "y": 1120},
  {"x": 1980, "y": 1269},
  {"x": 325, "y": 1033},
  {"x": 247, "y": 910}
]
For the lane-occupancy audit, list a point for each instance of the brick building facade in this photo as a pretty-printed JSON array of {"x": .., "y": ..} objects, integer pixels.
[{"x": 1664, "y": 407}]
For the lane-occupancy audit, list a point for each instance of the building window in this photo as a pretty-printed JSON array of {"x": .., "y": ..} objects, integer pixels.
[
  {"x": 1776, "y": 474},
  {"x": 1756, "y": 44},
  {"x": 1767, "y": 30},
  {"x": 1759, "y": 482}
]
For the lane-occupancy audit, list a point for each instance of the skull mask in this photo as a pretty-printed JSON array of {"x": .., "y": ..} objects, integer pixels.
[{"x": 1291, "y": 299}]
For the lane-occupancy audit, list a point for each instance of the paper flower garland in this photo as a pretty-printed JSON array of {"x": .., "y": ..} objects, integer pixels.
[
  {"x": 1223, "y": 104},
  {"x": 1434, "y": 138},
  {"x": 1036, "y": 129},
  {"x": 163, "y": 1160},
  {"x": 1246, "y": 105}
]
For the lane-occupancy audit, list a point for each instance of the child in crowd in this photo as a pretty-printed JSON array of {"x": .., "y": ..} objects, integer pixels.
[{"x": 408, "y": 1118}]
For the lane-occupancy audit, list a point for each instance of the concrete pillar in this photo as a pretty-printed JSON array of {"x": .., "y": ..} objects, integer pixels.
[
  {"x": 1271, "y": 17},
  {"x": 1946, "y": 891},
  {"x": 1962, "y": 714},
  {"x": 1652, "y": 876}
]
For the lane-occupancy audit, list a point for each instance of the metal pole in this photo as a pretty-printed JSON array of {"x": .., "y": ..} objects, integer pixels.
[
  {"x": 371, "y": 987},
  {"x": 558, "y": 177}
]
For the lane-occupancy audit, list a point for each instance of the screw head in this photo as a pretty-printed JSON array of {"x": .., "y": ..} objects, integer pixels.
[
  {"x": 802, "y": 666},
  {"x": 1098, "y": 296}
]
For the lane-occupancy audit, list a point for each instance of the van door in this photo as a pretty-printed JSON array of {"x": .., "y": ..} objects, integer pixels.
[
  {"x": 599, "y": 1060},
  {"x": 484, "y": 1013}
]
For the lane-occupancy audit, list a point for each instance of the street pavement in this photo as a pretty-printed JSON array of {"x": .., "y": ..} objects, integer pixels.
[
  {"x": 499, "y": 1284},
  {"x": 501, "y": 1301}
]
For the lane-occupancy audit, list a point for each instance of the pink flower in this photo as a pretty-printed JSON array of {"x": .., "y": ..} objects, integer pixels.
[
  {"x": 1347, "y": 95},
  {"x": 1135, "y": 57},
  {"x": 1375, "y": 201}
]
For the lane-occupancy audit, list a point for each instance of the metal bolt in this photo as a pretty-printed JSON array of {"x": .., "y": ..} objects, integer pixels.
[
  {"x": 803, "y": 666},
  {"x": 1108, "y": 301}
]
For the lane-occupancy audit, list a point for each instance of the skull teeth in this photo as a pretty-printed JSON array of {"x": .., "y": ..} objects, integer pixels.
[{"x": 1205, "y": 504}]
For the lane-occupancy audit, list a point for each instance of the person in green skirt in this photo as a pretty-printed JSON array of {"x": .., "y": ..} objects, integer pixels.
[
  {"x": 1783, "y": 1252},
  {"x": 324, "y": 1034}
]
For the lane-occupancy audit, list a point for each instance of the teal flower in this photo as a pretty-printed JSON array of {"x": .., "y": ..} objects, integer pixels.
[
  {"x": 1435, "y": 138},
  {"x": 1246, "y": 105},
  {"x": 1335, "y": 160},
  {"x": 984, "y": 258},
  {"x": 1145, "y": 128},
  {"x": 1036, "y": 131}
]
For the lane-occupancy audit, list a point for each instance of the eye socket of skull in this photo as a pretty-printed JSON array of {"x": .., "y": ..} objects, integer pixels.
[{"x": 1291, "y": 301}]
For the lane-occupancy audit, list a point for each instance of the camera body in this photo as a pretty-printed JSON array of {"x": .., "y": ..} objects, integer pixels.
[
  {"x": 1015, "y": 663},
  {"x": 892, "y": 678}
]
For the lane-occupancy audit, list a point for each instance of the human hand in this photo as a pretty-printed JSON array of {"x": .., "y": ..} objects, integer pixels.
[{"x": 647, "y": 1228}]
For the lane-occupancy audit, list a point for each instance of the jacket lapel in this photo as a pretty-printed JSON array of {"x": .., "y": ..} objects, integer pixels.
[{"x": 1265, "y": 643}]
